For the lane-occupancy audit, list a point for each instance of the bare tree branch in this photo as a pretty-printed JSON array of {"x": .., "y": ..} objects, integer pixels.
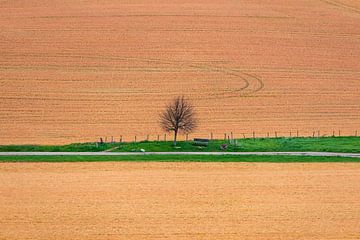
[{"x": 178, "y": 116}]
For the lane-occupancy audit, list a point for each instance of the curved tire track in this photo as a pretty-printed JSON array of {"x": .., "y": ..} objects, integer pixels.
[
  {"x": 342, "y": 5},
  {"x": 252, "y": 83}
]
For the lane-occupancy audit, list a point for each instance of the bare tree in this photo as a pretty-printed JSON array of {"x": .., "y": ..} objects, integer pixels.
[{"x": 178, "y": 116}]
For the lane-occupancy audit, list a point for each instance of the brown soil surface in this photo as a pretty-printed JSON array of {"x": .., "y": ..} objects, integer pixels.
[
  {"x": 73, "y": 71},
  {"x": 179, "y": 201}
]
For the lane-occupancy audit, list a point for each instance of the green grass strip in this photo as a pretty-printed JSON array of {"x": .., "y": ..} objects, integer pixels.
[{"x": 303, "y": 144}]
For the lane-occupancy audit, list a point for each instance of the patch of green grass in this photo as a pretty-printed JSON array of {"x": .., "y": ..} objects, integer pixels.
[
  {"x": 322, "y": 144},
  {"x": 177, "y": 158},
  {"x": 75, "y": 147}
]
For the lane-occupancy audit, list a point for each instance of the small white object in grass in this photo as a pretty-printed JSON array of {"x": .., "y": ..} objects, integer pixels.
[
  {"x": 177, "y": 147},
  {"x": 142, "y": 150}
]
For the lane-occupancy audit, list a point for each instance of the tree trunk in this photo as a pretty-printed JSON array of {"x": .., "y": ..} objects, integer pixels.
[{"x": 175, "y": 136}]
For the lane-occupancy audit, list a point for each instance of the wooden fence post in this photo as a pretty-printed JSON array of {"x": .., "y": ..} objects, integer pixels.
[
  {"x": 135, "y": 138},
  {"x": 268, "y": 135},
  {"x": 254, "y": 135},
  {"x": 297, "y": 133},
  {"x": 290, "y": 134},
  {"x": 224, "y": 136},
  {"x": 165, "y": 137},
  {"x": 211, "y": 136},
  {"x": 276, "y": 134},
  {"x": 356, "y": 133},
  {"x": 158, "y": 138},
  {"x": 121, "y": 138}
]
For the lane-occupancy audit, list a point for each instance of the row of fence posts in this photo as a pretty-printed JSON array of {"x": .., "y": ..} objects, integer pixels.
[
  {"x": 227, "y": 136},
  {"x": 291, "y": 134}
]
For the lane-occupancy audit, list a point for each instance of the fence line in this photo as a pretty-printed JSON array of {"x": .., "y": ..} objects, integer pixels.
[{"x": 230, "y": 135}]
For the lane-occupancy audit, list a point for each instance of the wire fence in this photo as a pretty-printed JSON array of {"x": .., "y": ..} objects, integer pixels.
[{"x": 231, "y": 135}]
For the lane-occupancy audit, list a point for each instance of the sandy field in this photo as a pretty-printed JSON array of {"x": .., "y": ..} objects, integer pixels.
[
  {"x": 179, "y": 201},
  {"x": 72, "y": 71}
]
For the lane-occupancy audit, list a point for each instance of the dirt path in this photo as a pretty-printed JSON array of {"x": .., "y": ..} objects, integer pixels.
[
  {"x": 315, "y": 154},
  {"x": 179, "y": 201}
]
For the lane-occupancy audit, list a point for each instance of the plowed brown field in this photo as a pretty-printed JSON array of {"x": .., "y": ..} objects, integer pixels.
[
  {"x": 179, "y": 201},
  {"x": 72, "y": 71}
]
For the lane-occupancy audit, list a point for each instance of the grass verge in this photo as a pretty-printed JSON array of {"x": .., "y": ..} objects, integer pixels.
[
  {"x": 321, "y": 144},
  {"x": 177, "y": 158}
]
